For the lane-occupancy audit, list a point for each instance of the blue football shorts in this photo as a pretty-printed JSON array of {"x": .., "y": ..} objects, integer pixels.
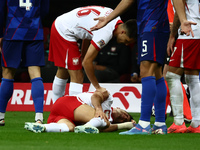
[
  {"x": 22, "y": 53},
  {"x": 152, "y": 46}
]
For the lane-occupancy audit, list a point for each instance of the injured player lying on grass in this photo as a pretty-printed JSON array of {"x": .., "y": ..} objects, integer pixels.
[{"x": 84, "y": 113}]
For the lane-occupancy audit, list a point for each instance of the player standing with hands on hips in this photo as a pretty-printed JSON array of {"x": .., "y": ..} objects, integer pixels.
[
  {"x": 22, "y": 45},
  {"x": 153, "y": 34}
]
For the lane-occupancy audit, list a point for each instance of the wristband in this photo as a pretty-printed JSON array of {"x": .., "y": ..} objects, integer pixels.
[{"x": 125, "y": 125}]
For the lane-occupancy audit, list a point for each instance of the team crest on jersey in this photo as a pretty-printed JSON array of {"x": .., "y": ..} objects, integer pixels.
[
  {"x": 75, "y": 61},
  {"x": 101, "y": 43}
]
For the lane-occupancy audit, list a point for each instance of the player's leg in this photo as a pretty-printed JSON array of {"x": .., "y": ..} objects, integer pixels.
[
  {"x": 176, "y": 97},
  {"x": 186, "y": 107},
  {"x": 58, "y": 49},
  {"x": 160, "y": 104},
  {"x": 76, "y": 82},
  {"x": 85, "y": 114},
  {"x": 10, "y": 60},
  {"x": 160, "y": 43},
  {"x": 64, "y": 54},
  {"x": 74, "y": 65},
  {"x": 147, "y": 70},
  {"x": 37, "y": 91},
  {"x": 6, "y": 91},
  {"x": 59, "y": 83},
  {"x": 63, "y": 125},
  {"x": 186, "y": 55},
  {"x": 148, "y": 91},
  {"x": 33, "y": 57},
  {"x": 192, "y": 80}
]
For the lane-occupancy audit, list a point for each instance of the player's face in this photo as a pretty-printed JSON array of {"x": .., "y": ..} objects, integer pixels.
[
  {"x": 123, "y": 38},
  {"x": 121, "y": 116}
]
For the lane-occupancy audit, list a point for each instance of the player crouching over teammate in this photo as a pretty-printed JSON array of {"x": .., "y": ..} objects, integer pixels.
[{"x": 85, "y": 112}]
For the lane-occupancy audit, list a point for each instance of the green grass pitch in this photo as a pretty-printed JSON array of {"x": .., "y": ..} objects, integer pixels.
[{"x": 13, "y": 136}]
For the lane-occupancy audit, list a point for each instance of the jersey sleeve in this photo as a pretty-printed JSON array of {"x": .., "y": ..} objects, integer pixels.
[
  {"x": 2, "y": 11},
  {"x": 102, "y": 36}
]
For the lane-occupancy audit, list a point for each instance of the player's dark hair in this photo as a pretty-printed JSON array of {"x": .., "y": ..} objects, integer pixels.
[
  {"x": 131, "y": 28},
  {"x": 131, "y": 118}
]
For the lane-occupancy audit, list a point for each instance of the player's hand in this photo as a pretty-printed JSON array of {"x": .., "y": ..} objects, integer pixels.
[
  {"x": 170, "y": 45},
  {"x": 134, "y": 78},
  {"x": 186, "y": 27},
  {"x": 104, "y": 92},
  {"x": 99, "y": 113},
  {"x": 133, "y": 122},
  {"x": 102, "y": 22}
]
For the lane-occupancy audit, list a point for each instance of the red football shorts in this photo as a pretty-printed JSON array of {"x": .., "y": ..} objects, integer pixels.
[
  {"x": 186, "y": 54},
  {"x": 64, "y": 108},
  {"x": 64, "y": 53}
]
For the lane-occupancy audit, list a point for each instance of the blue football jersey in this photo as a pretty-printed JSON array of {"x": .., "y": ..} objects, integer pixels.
[
  {"x": 23, "y": 20},
  {"x": 152, "y": 16}
]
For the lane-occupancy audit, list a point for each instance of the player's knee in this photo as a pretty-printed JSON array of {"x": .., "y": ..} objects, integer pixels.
[
  {"x": 191, "y": 79},
  {"x": 171, "y": 76},
  {"x": 8, "y": 73},
  {"x": 77, "y": 77}
]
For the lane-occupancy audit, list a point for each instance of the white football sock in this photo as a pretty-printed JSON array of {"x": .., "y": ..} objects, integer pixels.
[
  {"x": 75, "y": 88},
  {"x": 2, "y": 115},
  {"x": 39, "y": 116},
  {"x": 176, "y": 96},
  {"x": 143, "y": 124},
  {"x": 56, "y": 127},
  {"x": 58, "y": 88},
  {"x": 159, "y": 124},
  {"x": 97, "y": 122},
  {"x": 193, "y": 83}
]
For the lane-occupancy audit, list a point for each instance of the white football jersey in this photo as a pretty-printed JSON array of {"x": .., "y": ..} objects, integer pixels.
[
  {"x": 192, "y": 14},
  {"x": 106, "y": 105},
  {"x": 76, "y": 25}
]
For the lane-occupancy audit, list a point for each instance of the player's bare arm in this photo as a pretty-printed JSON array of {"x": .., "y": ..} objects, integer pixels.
[
  {"x": 89, "y": 67},
  {"x": 97, "y": 99},
  {"x": 84, "y": 47},
  {"x": 173, "y": 33},
  {"x": 120, "y": 9},
  {"x": 119, "y": 126}
]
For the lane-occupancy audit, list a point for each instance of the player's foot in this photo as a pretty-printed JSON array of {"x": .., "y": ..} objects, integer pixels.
[
  {"x": 2, "y": 122},
  {"x": 34, "y": 127},
  {"x": 177, "y": 128},
  {"x": 158, "y": 130},
  {"x": 191, "y": 129},
  {"x": 137, "y": 130},
  {"x": 86, "y": 129}
]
